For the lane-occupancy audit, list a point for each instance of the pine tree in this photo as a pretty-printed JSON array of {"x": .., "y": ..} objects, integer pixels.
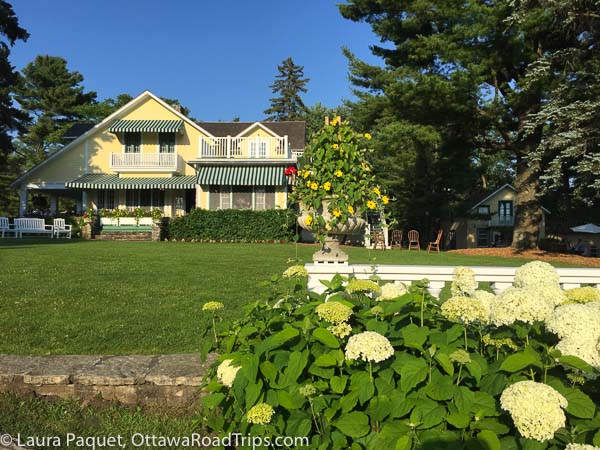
[
  {"x": 289, "y": 83},
  {"x": 53, "y": 97},
  {"x": 11, "y": 119},
  {"x": 462, "y": 70}
]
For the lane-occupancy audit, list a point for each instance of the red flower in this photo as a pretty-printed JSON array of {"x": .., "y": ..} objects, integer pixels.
[{"x": 291, "y": 170}]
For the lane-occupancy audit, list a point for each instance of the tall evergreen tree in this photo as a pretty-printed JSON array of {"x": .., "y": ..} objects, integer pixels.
[
  {"x": 11, "y": 119},
  {"x": 53, "y": 97},
  {"x": 467, "y": 63},
  {"x": 289, "y": 83}
]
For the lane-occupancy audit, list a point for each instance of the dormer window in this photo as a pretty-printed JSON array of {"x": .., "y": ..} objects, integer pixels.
[{"x": 133, "y": 142}]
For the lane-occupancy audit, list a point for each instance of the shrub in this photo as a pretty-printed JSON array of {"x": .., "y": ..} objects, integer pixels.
[
  {"x": 234, "y": 225},
  {"x": 400, "y": 375}
]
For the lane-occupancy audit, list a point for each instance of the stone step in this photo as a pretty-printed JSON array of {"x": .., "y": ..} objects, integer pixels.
[
  {"x": 122, "y": 236},
  {"x": 134, "y": 379}
]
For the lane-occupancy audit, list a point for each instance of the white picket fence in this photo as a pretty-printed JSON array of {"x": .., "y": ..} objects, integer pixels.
[{"x": 500, "y": 278}]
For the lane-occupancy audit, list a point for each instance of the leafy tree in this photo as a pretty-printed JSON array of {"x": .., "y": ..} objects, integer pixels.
[
  {"x": 465, "y": 70},
  {"x": 11, "y": 119},
  {"x": 53, "y": 97},
  {"x": 289, "y": 83},
  {"x": 315, "y": 117}
]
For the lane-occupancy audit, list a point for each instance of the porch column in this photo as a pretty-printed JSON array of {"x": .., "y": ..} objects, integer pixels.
[
  {"x": 84, "y": 201},
  {"x": 53, "y": 204},
  {"x": 22, "y": 202}
]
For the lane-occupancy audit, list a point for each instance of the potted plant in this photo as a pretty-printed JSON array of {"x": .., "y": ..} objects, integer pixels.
[
  {"x": 157, "y": 216},
  {"x": 138, "y": 213},
  {"x": 335, "y": 186}
]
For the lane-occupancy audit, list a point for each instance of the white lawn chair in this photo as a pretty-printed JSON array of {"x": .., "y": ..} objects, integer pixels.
[
  {"x": 5, "y": 227},
  {"x": 61, "y": 228}
]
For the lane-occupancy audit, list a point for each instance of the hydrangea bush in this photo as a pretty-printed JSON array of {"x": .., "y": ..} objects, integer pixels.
[{"x": 353, "y": 372}]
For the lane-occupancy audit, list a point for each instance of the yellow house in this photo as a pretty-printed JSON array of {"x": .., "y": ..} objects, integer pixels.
[
  {"x": 149, "y": 155},
  {"x": 491, "y": 222}
]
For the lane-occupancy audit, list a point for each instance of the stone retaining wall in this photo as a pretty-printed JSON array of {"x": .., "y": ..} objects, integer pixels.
[{"x": 135, "y": 379}]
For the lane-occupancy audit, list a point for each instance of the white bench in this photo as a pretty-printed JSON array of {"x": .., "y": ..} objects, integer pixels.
[
  {"x": 5, "y": 227},
  {"x": 61, "y": 228},
  {"x": 33, "y": 226}
]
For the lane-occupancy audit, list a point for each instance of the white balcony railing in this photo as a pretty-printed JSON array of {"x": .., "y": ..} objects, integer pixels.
[
  {"x": 502, "y": 221},
  {"x": 144, "y": 161},
  {"x": 245, "y": 147}
]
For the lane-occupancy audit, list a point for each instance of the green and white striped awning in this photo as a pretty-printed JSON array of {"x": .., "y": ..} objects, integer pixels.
[
  {"x": 242, "y": 175},
  {"x": 108, "y": 181},
  {"x": 146, "y": 126}
]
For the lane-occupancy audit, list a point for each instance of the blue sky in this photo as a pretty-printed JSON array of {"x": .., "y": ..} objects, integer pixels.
[{"x": 217, "y": 57}]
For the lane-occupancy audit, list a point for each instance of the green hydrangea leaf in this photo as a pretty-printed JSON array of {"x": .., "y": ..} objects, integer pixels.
[
  {"x": 326, "y": 337},
  {"x": 444, "y": 360},
  {"x": 440, "y": 388},
  {"x": 213, "y": 400},
  {"x": 458, "y": 420},
  {"x": 277, "y": 340},
  {"x": 575, "y": 362},
  {"x": 415, "y": 336},
  {"x": 354, "y": 424},
  {"x": 580, "y": 405},
  {"x": 338, "y": 384},
  {"x": 412, "y": 373},
  {"x": 379, "y": 408},
  {"x": 325, "y": 360},
  {"x": 489, "y": 440},
  {"x": 518, "y": 361}
]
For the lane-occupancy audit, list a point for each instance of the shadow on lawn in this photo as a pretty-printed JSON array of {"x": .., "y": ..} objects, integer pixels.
[{"x": 22, "y": 243}]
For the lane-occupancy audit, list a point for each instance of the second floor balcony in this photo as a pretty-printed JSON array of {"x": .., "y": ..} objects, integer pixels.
[
  {"x": 144, "y": 162},
  {"x": 498, "y": 220},
  {"x": 247, "y": 148}
]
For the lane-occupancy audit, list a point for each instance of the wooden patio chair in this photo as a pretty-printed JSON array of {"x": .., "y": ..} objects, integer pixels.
[
  {"x": 436, "y": 244},
  {"x": 396, "y": 239},
  {"x": 378, "y": 239},
  {"x": 413, "y": 240}
]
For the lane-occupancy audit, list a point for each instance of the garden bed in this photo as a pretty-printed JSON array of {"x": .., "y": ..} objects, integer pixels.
[{"x": 553, "y": 257}]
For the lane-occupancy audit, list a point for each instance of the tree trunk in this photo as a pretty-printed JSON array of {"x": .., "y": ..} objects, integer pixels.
[{"x": 528, "y": 214}]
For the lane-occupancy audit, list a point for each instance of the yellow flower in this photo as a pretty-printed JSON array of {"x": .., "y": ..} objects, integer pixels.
[
  {"x": 335, "y": 121},
  {"x": 327, "y": 185},
  {"x": 314, "y": 186},
  {"x": 365, "y": 167},
  {"x": 385, "y": 199},
  {"x": 338, "y": 173},
  {"x": 212, "y": 306},
  {"x": 350, "y": 209},
  {"x": 377, "y": 191},
  {"x": 368, "y": 135},
  {"x": 309, "y": 220},
  {"x": 308, "y": 182},
  {"x": 306, "y": 173},
  {"x": 335, "y": 146},
  {"x": 337, "y": 212},
  {"x": 371, "y": 204},
  {"x": 260, "y": 414}
]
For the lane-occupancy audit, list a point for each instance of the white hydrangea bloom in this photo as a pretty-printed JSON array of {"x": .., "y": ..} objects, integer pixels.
[
  {"x": 226, "y": 372},
  {"x": 581, "y": 447},
  {"x": 463, "y": 282},
  {"x": 536, "y": 409},
  {"x": 520, "y": 304},
  {"x": 536, "y": 274},
  {"x": 552, "y": 294},
  {"x": 583, "y": 349},
  {"x": 369, "y": 346},
  {"x": 576, "y": 320},
  {"x": 465, "y": 310},
  {"x": 486, "y": 298},
  {"x": 391, "y": 291}
]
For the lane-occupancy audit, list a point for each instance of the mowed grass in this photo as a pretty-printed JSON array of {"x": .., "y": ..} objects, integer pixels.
[{"x": 87, "y": 297}]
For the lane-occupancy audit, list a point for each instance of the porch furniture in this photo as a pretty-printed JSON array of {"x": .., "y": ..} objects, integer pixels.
[
  {"x": 61, "y": 228},
  {"x": 396, "y": 239},
  {"x": 435, "y": 245},
  {"x": 378, "y": 239},
  {"x": 413, "y": 240},
  {"x": 32, "y": 226},
  {"x": 5, "y": 227}
]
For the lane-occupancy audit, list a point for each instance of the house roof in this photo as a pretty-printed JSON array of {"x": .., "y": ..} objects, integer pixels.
[
  {"x": 295, "y": 130},
  {"x": 506, "y": 186},
  {"x": 77, "y": 130},
  {"x": 133, "y": 103}
]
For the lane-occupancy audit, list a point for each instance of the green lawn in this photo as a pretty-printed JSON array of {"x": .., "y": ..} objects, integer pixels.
[{"x": 86, "y": 297}]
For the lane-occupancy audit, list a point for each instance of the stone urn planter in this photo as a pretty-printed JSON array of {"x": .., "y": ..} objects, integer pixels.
[{"x": 330, "y": 251}]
